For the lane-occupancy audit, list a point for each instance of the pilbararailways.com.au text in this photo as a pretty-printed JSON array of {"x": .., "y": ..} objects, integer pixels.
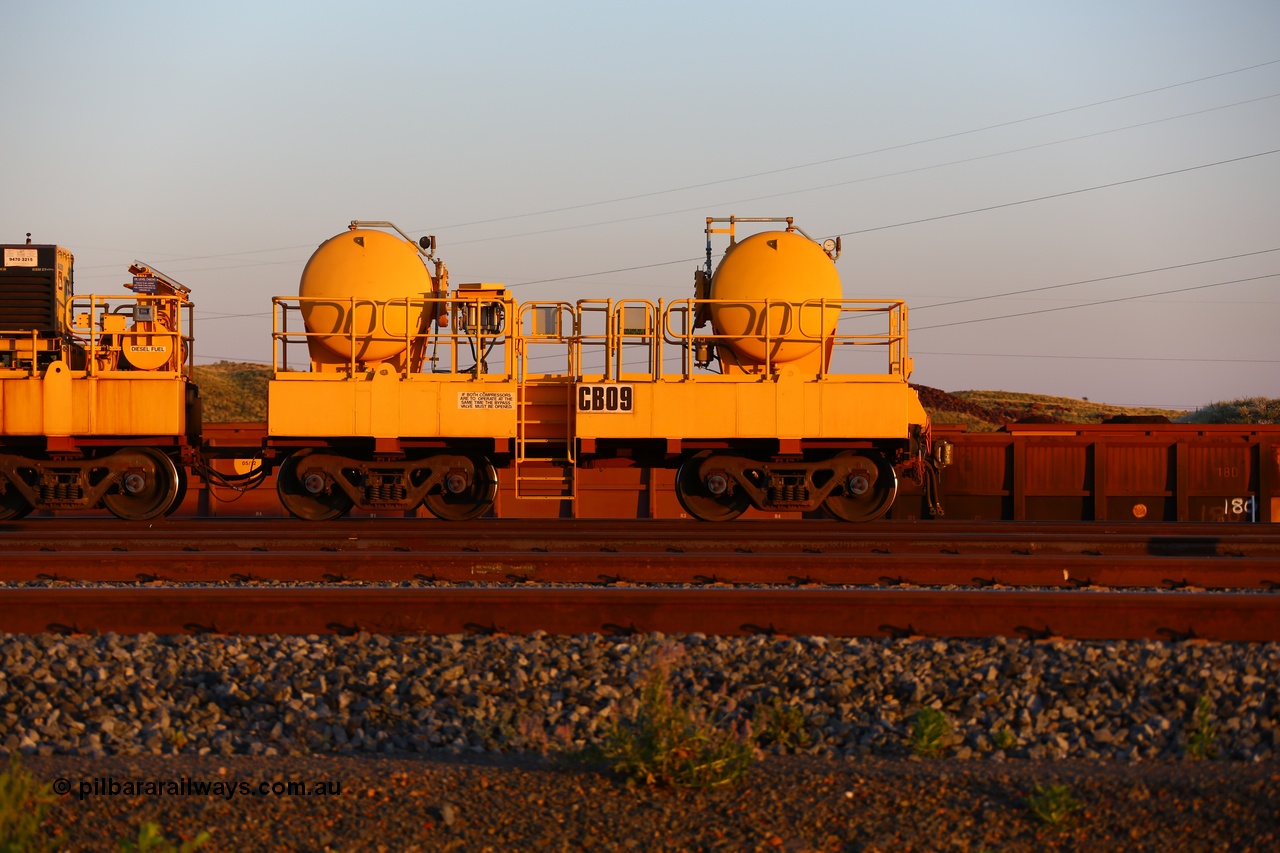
[{"x": 109, "y": 786}]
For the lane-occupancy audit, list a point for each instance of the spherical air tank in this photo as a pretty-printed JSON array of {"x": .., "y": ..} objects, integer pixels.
[
  {"x": 374, "y": 268},
  {"x": 788, "y": 269}
]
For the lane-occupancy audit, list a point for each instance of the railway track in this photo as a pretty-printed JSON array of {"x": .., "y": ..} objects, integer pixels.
[
  {"x": 614, "y": 568},
  {"x": 401, "y": 576},
  {"x": 866, "y": 613},
  {"x": 646, "y": 552},
  {"x": 1108, "y": 538}
]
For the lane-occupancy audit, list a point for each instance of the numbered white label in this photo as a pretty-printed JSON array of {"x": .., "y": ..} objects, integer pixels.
[
  {"x": 21, "y": 257},
  {"x": 1239, "y": 506}
]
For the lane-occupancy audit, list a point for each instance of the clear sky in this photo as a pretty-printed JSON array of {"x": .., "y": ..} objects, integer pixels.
[{"x": 1101, "y": 180}]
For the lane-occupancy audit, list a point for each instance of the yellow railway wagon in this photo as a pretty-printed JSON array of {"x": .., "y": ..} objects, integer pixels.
[
  {"x": 767, "y": 388},
  {"x": 96, "y": 403}
]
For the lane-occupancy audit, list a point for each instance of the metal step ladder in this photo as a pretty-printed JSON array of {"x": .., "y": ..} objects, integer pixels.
[{"x": 544, "y": 463}]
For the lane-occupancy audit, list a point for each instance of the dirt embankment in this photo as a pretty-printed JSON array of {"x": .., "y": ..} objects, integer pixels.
[{"x": 936, "y": 400}]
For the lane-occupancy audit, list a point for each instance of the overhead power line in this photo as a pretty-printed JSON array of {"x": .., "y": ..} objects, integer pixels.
[
  {"x": 1099, "y": 357},
  {"x": 789, "y": 169},
  {"x": 867, "y": 153},
  {"x": 938, "y": 217},
  {"x": 1025, "y": 291},
  {"x": 606, "y": 272},
  {"x": 1058, "y": 195},
  {"x": 1096, "y": 303},
  {"x": 865, "y": 179}
]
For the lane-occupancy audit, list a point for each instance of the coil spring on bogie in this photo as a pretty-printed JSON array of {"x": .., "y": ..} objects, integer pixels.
[
  {"x": 791, "y": 493},
  {"x": 384, "y": 493},
  {"x": 59, "y": 492}
]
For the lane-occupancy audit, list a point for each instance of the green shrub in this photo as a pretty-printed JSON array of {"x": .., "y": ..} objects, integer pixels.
[
  {"x": 24, "y": 805},
  {"x": 929, "y": 732},
  {"x": 779, "y": 724},
  {"x": 1053, "y": 805},
  {"x": 1203, "y": 733},
  {"x": 151, "y": 840},
  {"x": 1004, "y": 739},
  {"x": 675, "y": 742}
]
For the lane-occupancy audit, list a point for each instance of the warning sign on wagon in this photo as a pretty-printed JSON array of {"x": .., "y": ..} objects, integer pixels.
[
  {"x": 20, "y": 257},
  {"x": 486, "y": 400}
]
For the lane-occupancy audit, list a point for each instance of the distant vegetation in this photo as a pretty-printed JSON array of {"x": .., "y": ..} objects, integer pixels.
[
  {"x": 233, "y": 391},
  {"x": 1252, "y": 410},
  {"x": 236, "y": 391},
  {"x": 985, "y": 411}
]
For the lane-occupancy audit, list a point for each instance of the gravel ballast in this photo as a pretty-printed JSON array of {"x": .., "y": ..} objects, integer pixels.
[
  {"x": 268, "y": 695},
  {"x": 467, "y": 722}
]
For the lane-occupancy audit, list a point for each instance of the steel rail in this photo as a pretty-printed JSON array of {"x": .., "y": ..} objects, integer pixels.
[
  {"x": 576, "y": 536},
  {"x": 983, "y": 570},
  {"x": 844, "y": 613},
  {"x": 758, "y": 526}
]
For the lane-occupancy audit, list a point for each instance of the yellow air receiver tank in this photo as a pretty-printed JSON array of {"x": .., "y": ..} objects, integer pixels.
[
  {"x": 789, "y": 270},
  {"x": 354, "y": 297}
]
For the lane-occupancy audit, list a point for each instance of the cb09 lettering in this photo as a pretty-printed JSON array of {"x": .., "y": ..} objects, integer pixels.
[{"x": 606, "y": 398}]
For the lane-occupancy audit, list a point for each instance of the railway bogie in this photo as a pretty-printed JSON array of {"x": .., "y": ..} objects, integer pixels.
[{"x": 317, "y": 486}]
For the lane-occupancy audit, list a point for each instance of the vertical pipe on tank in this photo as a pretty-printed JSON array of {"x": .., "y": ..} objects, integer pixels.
[
  {"x": 409, "y": 335},
  {"x": 768, "y": 351},
  {"x": 453, "y": 336},
  {"x": 708, "y": 232}
]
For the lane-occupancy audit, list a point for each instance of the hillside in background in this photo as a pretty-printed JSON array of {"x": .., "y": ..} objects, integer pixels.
[
  {"x": 236, "y": 391},
  {"x": 233, "y": 391},
  {"x": 983, "y": 411},
  {"x": 1253, "y": 410}
]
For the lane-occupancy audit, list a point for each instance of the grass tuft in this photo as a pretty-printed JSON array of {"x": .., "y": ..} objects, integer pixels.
[
  {"x": 1004, "y": 739},
  {"x": 778, "y": 724},
  {"x": 929, "y": 733},
  {"x": 24, "y": 805},
  {"x": 1203, "y": 733},
  {"x": 151, "y": 839},
  {"x": 674, "y": 742},
  {"x": 1053, "y": 805}
]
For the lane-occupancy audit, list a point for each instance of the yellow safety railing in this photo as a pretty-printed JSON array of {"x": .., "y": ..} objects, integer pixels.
[
  {"x": 21, "y": 346},
  {"x": 587, "y": 340},
  {"x": 799, "y": 320},
  {"x": 99, "y": 324},
  {"x": 477, "y": 325},
  {"x": 543, "y": 328}
]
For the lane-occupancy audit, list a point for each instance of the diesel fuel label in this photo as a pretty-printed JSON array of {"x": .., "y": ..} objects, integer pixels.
[
  {"x": 605, "y": 397},
  {"x": 486, "y": 400}
]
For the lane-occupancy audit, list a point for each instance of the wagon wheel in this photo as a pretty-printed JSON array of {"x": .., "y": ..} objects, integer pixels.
[
  {"x": 12, "y": 504},
  {"x": 314, "y": 500},
  {"x": 181, "y": 493},
  {"x": 699, "y": 501},
  {"x": 867, "y": 492},
  {"x": 474, "y": 499},
  {"x": 147, "y": 488}
]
